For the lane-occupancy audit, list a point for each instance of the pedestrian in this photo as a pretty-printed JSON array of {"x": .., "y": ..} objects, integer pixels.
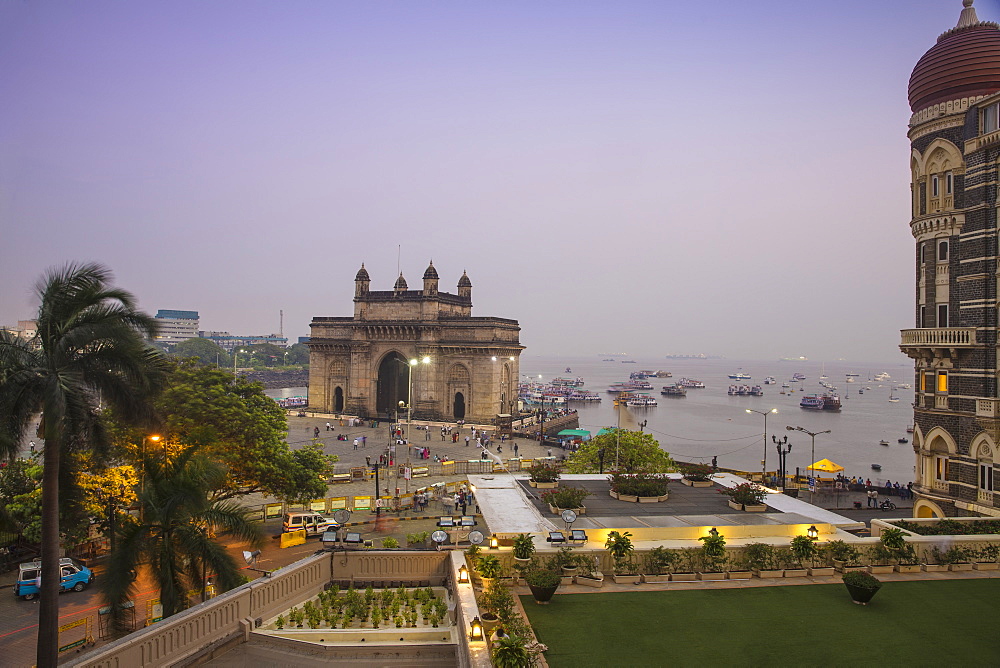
[
  {"x": 368, "y": 461},
  {"x": 715, "y": 463},
  {"x": 427, "y": 434},
  {"x": 364, "y": 441},
  {"x": 466, "y": 441},
  {"x": 515, "y": 449},
  {"x": 31, "y": 446},
  {"x": 548, "y": 453},
  {"x": 328, "y": 426},
  {"x": 499, "y": 448},
  {"x": 315, "y": 432},
  {"x": 355, "y": 444}
]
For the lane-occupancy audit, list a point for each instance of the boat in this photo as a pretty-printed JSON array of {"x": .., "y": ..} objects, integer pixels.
[
  {"x": 903, "y": 386},
  {"x": 567, "y": 382},
  {"x": 568, "y": 370},
  {"x": 909, "y": 430},
  {"x": 798, "y": 377},
  {"x": 785, "y": 385},
  {"x": 609, "y": 360},
  {"x": 674, "y": 391},
  {"x": 664, "y": 374},
  {"x": 293, "y": 402},
  {"x": 641, "y": 401},
  {"x": 641, "y": 375},
  {"x": 882, "y": 377},
  {"x": 770, "y": 380},
  {"x": 831, "y": 402},
  {"x": 851, "y": 374},
  {"x": 902, "y": 440},
  {"x": 812, "y": 402},
  {"x": 876, "y": 467},
  {"x": 892, "y": 397},
  {"x": 628, "y": 361},
  {"x": 883, "y": 442},
  {"x": 691, "y": 383},
  {"x": 583, "y": 395},
  {"x": 739, "y": 375}
]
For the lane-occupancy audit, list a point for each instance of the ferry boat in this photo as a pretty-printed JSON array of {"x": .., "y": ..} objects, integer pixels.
[
  {"x": 746, "y": 390},
  {"x": 583, "y": 395},
  {"x": 292, "y": 402},
  {"x": 831, "y": 402},
  {"x": 567, "y": 382},
  {"x": 641, "y": 401},
  {"x": 628, "y": 361},
  {"x": 664, "y": 374},
  {"x": 568, "y": 370},
  {"x": 812, "y": 402},
  {"x": 882, "y": 377},
  {"x": 770, "y": 380},
  {"x": 641, "y": 375},
  {"x": 739, "y": 375},
  {"x": 691, "y": 383},
  {"x": 798, "y": 377},
  {"x": 674, "y": 391}
]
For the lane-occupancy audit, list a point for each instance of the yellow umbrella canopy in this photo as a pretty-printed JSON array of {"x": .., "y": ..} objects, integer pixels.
[{"x": 826, "y": 466}]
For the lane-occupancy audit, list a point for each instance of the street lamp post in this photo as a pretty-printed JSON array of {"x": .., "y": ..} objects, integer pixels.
[
  {"x": 780, "y": 443},
  {"x": 763, "y": 461},
  {"x": 812, "y": 435}
]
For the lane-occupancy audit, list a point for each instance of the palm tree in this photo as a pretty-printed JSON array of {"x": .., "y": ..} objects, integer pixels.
[
  {"x": 175, "y": 534},
  {"x": 90, "y": 350}
]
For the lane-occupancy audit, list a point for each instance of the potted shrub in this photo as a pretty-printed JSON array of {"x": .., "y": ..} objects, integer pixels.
[
  {"x": 746, "y": 496},
  {"x": 543, "y": 477},
  {"x": 986, "y": 558},
  {"x": 697, "y": 475},
  {"x": 657, "y": 564},
  {"x": 542, "y": 582},
  {"x": 524, "y": 548},
  {"x": 713, "y": 556},
  {"x": 496, "y": 604},
  {"x": 845, "y": 557},
  {"x": 418, "y": 539},
  {"x": 862, "y": 586},
  {"x": 489, "y": 569},
  {"x": 589, "y": 574},
  {"x": 566, "y": 498},
  {"x": 688, "y": 562},
  {"x": 639, "y": 487},
  {"x": 619, "y": 546},
  {"x": 932, "y": 562},
  {"x": 390, "y": 543},
  {"x": 566, "y": 561},
  {"x": 901, "y": 552},
  {"x": 511, "y": 651},
  {"x": 761, "y": 559},
  {"x": 880, "y": 558},
  {"x": 803, "y": 551},
  {"x": 822, "y": 563},
  {"x": 958, "y": 559},
  {"x": 738, "y": 568}
]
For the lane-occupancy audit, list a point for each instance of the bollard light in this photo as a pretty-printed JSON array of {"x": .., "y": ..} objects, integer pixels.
[
  {"x": 494, "y": 543},
  {"x": 463, "y": 574},
  {"x": 812, "y": 532}
]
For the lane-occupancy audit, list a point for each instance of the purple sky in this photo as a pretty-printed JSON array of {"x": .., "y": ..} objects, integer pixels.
[{"x": 658, "y": 177}]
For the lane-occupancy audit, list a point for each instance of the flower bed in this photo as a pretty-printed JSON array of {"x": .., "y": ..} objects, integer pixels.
[
  {"x": 948, "y": 527},
  {"x": 565, "y": 497},
  {"x": 639, "y": 484}
]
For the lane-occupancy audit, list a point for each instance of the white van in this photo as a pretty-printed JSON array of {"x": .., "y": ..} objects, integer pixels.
[{"x": 314, "y": 523}]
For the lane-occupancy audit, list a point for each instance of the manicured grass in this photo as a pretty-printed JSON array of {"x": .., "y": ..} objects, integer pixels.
[{"x": 919, "y": 623}]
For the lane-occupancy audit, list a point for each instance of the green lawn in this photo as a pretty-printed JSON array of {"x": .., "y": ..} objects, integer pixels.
[{"x": 919, "y": 623}]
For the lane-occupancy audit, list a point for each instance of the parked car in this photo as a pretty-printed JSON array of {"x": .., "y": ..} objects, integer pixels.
[
  {"x": 72, "y": 576},
  {"x": 314, "y": 523}
]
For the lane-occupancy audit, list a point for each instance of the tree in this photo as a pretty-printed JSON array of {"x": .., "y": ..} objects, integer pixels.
[
  {"x": 234, "y": 422},
  {"x": 298, "y": 353},
  {"x": 208, "y": 353},
  {"x": 175, "y": 536},
  {"x": 90, "y": 350},
  {"x": 636, "y": 452},
  {"x": 265, "y": 354}
]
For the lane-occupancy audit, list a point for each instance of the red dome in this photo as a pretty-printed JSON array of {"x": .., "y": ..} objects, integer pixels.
[{"x": 965, "y": 62}]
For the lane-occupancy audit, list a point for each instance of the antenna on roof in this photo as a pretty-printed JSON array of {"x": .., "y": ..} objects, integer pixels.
[
  {"x": 399, "y": 254},
  {"x": 281, "y": 323}
]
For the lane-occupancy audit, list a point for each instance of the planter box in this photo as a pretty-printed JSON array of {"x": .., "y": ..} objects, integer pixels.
[
  {"x": 624, "y": 497},
  {"x": 566, "y": 579},
  {"x": 796, "y": 572},
  {"x": 683, "y": 577},
  {"x": 934, "y": 568},
  {"x": 713, "y": 575},
  {"x": 569, "y": 571},
  {"x": 655, "y": 579},
  {"x": 851, "y": 569},
  {"x": 582, "y": 510},
  {"x": 696, "y": 483},
  {"x": 626, "y": 579},
  {"x": 755, "y": 509},
  {"x": 764, "y": 574},
  {"x": 960, "y": 567},
  {"x": 907, "y": 568},
  {"x": 734, "y": 505},
  {"x": 543, "y": 485},
  {"x": 596, "y": 581},
  {"x": 654, "y": 499},
  {"x": 821, "y": 571},
  {"x": 986, "y": 565},
  {"x": 880, "y": 569},
  {"x": 740, "y": 575}
]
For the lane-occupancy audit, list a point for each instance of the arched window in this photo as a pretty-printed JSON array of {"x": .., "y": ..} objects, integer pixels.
[
  {"x": 985, "y": 460},
  {"x": 942, "y": 251}
]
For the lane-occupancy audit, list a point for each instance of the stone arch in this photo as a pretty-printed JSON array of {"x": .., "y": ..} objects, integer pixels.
[
  {"x": 983, "y": 447},
  {"x": 459, "y": 391},
  {"x": 939, "y": 440},
  {"x": 336, "y": 381},
  {"x": 940, "y": 155},
  {"x": 925, "y": 508},
  {"x": 392, "y": 382},
  {"x": 338, "y": 399}
]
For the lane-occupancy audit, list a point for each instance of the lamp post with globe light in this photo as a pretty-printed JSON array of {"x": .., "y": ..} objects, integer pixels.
[
  {"x": 763, "y": 461},
  {"x": 812, "y": 461}
]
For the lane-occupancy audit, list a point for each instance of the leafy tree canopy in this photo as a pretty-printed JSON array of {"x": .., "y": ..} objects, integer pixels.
[
  {"x": 636, "y": 452},
  {"x": 298, "y": 353},
  {"x": 207, "y": 352},
  {"x": 234, "y": 422}
]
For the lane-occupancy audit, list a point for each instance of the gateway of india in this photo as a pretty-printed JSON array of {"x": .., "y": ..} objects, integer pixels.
[{"x": 420, "y": 349}]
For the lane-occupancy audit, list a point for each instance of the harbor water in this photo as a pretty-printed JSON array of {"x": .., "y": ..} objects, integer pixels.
[{"x": 709, "y": 422}]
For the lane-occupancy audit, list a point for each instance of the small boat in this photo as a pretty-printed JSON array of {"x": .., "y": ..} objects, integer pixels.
[
  {"x": 691, "y": 383},
  {"x": 628, "y": 361},
  {"x": 909, "y": 430},
  {"x": 893, "y": 398},
  {"x": 769, "y": 380},
  {"x": 739, "y": 375},
  {"x": 674, "y": 391},
  {"x": 883, "y": 442},
  {"x": 568, "y": 370},
  {"x": 876, "y": 467},
  {"x": 664, "y": 374},
  {"x": 641, "y": 401},
  {"x": 785, "y": 385},
  {"x": 798, "y": 376},
  {"x": 811, "y": 401},
  {"x": 902, "y": 440},
  {"x": 903, "y": 386}
]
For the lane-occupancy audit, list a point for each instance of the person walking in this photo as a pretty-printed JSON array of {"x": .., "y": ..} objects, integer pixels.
[
  {"x": 328, "y": 426},
  {"x": 466, "y": 441},
  {"x": 315, "y": 432},
  {"x": 515, "y": 449},
  {"x": 355, "y": 444}
]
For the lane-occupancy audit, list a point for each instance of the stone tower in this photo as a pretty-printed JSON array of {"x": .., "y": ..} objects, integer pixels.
[{"x": 954, "y": 133}]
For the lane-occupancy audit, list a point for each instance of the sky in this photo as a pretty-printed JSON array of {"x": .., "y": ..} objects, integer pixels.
[{"x": 663, "y": 177}]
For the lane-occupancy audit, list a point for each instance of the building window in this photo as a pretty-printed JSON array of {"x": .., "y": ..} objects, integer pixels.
[
  {"x": 935, "y": 186},
  {"x": 949, "y": 183},
  {"x": 923, "y": 316},
  {"x": 941, "y": 468},
  {"x": 923, "y": 253},
  {"x": 986, "y": 476},
  {"x": 942, "y": 251},
  {"x": 942, "y": 381},
  {"x": 990, "y": 118},
  {"x": 923, "y": 381},
  {"x": 942, "y": 319}
]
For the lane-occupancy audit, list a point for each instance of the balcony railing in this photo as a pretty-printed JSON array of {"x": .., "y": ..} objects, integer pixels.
[
  {"x": 985, "y": 497},
  {"x": 988, "y": 408},
  {"x": 934, "y": 337},
  {"x": 941, "y": 402},
  {"x": 940, "y": 485}
]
